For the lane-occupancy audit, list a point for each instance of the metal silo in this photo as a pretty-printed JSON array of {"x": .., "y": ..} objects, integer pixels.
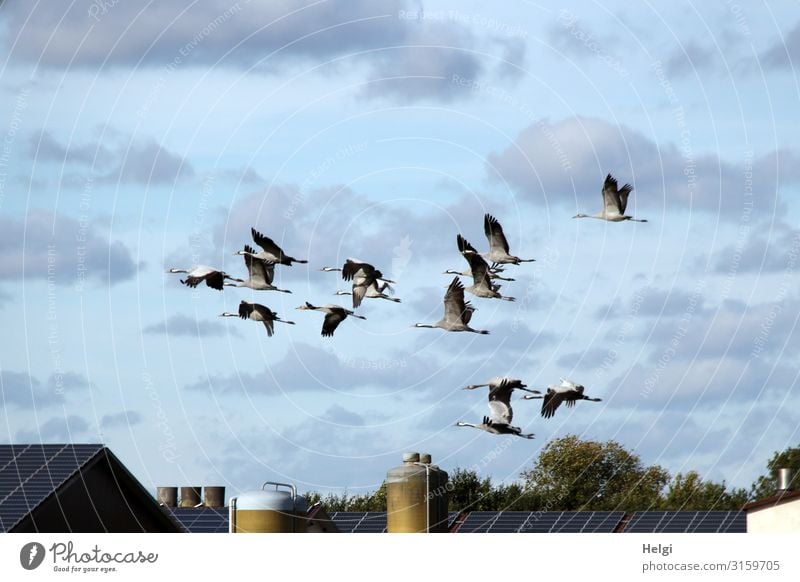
[
  {"x": 437, "y": 496},
  {"x": 414, "y": 493},
  {"x": 266, "y": 511}
]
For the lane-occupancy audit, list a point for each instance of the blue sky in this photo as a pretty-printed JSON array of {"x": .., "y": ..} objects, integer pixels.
[{"x": 135, "y": 139}]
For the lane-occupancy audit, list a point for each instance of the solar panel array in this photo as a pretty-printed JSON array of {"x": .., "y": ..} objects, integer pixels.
[
  {"x": 687, "y": 522},
  {"x": 541, "y": 522},
  {"x": 202, "y": 519},
  {"x": 30, "y": 473},
  {"x": 360, "y": 521},
  {"x": 369, "y": 521}
]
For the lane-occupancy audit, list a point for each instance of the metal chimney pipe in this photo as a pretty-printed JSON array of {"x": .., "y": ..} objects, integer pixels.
[
  {"x": 167, "y": 496},
  {"x": 190, "y": 496},
  {"x": 214, "y": 496},
  {"x": 784, "y": 479}
]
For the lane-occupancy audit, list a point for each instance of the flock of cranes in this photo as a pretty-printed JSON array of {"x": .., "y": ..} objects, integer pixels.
[{"x": 485, "y": 270}]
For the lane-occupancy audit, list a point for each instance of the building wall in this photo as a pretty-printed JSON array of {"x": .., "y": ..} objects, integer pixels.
[{"x": 781, "y": 518}]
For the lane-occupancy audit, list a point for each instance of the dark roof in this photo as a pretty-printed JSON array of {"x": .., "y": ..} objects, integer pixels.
[
  {"x": 202, "y": 519},
  {"x": 210, "y": 520},
  {"x": 687, "y": 522},
  {"x": 29, "y": 474},
  {"x": 73, "y": 488},
  {"x": 360, "y": 521},
  {"x": 541, "y": 522},
  {"x": 772, "y": 500}
]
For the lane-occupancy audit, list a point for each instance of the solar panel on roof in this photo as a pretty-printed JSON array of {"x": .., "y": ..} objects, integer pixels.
[
  {"x": 31, "y": 473},
  {"x": 360, "y": 521},
  {"x": 687, "y": 522},
  {"x": 541, "y": 522},
  {"x": 202, "y": 519}
]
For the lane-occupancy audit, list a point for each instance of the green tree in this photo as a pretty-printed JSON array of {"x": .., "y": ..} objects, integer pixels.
[
  {"x": 375, "y": 501},
  {"x": 691, "y": 492},
  {"x": 767, "y": 485},
  {"x": 573, "y": 474},
  {"x": 466, "y": 491},
  {"x": 514, "y": 497}
]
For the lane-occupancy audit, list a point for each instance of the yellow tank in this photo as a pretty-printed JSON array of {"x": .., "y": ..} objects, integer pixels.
[
  {"x": 265, "y": 511},
  {"x": 437, "y": 496},
  {"x": 414, "y": 493},
  {"x": 300, "y": 519}
]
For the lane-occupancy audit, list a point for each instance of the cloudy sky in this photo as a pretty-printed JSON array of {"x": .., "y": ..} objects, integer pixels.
[{"x": 135, "y": 138}]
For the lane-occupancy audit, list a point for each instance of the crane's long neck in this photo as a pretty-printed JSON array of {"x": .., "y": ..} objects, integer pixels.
[
  {"x": 467, "y": 424},
  {"x": 284, "y": 321},
  {"x": 228, "y": 314},
  {"x": 475, "y": 386},
  {"x": 178, "y": 271},
  {"x": 425, "y": 325}
]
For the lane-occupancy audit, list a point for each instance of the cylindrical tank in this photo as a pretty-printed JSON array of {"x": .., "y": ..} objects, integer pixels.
[
  {"x": 167, "y": 496},
  {"x": 785, "y": 479},
  {"x": 407, "y": 492},
  {"x": 214, "y": 496},
  {"x": 264, "y": 511},
  {"x": 190, "y": 496},
  {"x": 300, "y": 519},
  {"x": 438, "y": 500}
]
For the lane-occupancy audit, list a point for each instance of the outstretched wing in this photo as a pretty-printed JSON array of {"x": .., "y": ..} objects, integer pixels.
[
  {"x": 501, "y": 391},
  {"x": 259, "y": 270},
  {"x": 466, "y": 316},
  {"x": 266, "y": 316},
  {"x": 500, "y": 412},
  {"x": 494, "y": 232},
  {"x": 611, "y": 201},
  {"x": 215, "y": 280},
  {"x": 552, "y": 400},
  {"x": 266, "y": 243},
  {"x": 332, "y": 321},
  {"x": 624, "y": 192},
  {"x": 454, "y": 306},
  {"x": 353, "y": 268},
  {"x": 477, "y": 265},
  {"x": 359, "y": 292},
  {"x": 245, "y": 309}
]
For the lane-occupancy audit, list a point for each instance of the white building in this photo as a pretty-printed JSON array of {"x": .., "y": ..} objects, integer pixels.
[{"x": 779, "y": 513}]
